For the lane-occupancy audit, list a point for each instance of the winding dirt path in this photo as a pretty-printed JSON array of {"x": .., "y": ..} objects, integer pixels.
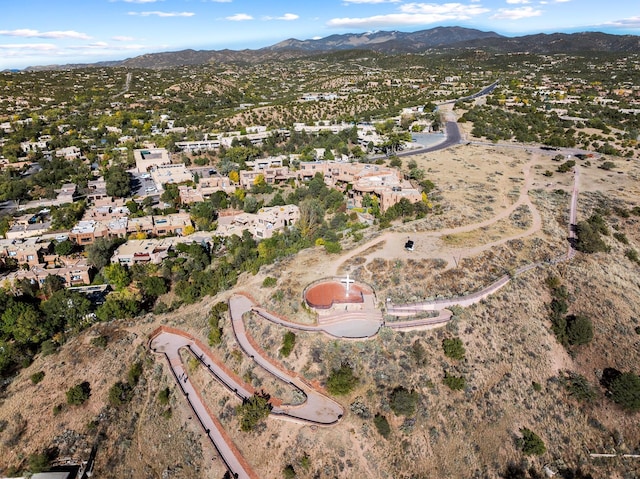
[{"x": 393, "y": 241}]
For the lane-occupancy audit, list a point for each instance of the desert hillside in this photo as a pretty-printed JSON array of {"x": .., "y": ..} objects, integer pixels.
[{"x": 499, "y": 209}]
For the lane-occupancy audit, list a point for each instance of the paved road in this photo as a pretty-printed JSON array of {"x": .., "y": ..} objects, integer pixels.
[
  {"x": 170, "y": 343},
  {"x": 318, "y": 408},
  {"x": 346, "y": 326}
]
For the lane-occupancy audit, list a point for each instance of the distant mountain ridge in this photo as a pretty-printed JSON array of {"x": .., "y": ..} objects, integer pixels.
[
  {"x": 382, "y": 40},
  {"x": 386, "y": 42}
]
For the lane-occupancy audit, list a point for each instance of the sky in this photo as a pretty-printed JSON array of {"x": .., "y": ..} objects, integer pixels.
[{"x": 44, "y": 32}]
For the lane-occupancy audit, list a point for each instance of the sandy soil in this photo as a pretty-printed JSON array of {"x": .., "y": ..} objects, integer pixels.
[{"x": 498, "y": 211}]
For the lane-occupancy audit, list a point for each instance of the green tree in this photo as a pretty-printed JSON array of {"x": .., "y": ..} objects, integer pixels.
[
  {"x": 22, "y": 321},
  {"x": 453, "y": 348},
  {"x": 64, "y": 248},
  {"x": 403, "y": 402},
  {"x": 118, "y": 182},
  {"x": 289, "y": 472},
  {"x": 152, "y": 287},
  {"x": 37, "y": 377},
  {"x": 134, "y": 374},
  {"x": 530, "y": 443},
  {"x": 578, "y": 387},
  {"x": 117, "y": 275},
  {"x": 164, "y": 395},
  {"x": 625, "y": 390},
  {"x": 118, "y": 307},
  {"x": 588, "y": 237},
  {"x": 342, "y": 381},
  {"x": 38, "y": 462},
  {"x": 382, "y": 425},
  {"x": 253, "y": 411},
  {"x": 66, "y": 309},
  {"x": 120, "y": 393},
  {"x": 579, "y": 330},
  {"x": 100, "y": 251},
  {"x": 455, "y": 383},
  {"x": 52, "y": 283},
  {"x": 288, "y": 342},
  {"x": 78, "y": 394}
]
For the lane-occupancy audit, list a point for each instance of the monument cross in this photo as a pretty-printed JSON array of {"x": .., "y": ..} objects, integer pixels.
[{"x": 348, "y": 282}]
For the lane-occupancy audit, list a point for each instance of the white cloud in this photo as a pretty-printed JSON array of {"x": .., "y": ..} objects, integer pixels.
[
  {"x": 454, "y": 9},
  {"x": 413, "y": 14},
  {"x": 631, "y": 22},
  {"x": 35, "y": 47},
  {"x": 287, "y": 17},
  {"x": 121, "y": 38},
  {"x": 239, "y": 17},
  {"x": 162, "y": 14},
  {"x": 518, "y": 2},
  {"x": 28, "y": 33},
  {"x": 516, "y": 13},
  {"x": 371, "y": 1}
]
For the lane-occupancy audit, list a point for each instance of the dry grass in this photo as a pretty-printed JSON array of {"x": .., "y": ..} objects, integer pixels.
[{"x": 470, "y": 433}]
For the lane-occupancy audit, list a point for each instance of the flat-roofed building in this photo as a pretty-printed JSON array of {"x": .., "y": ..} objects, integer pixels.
[
  {"x": 205, "y": 188},
  {"x": 30, "y": 251},
  {"x": 97, "y": 189},
  {"x": 143, "y": 224},
  {"x": 163, "y": 174},
  {"x": 196, "y": 146},
  {"x": 73, "y": 271},
  {"x": 142, "y": 251},
  {"x": 147, "y": 158},
  {"x": 85, "y": 232},
  {"x": 173, "y": 224},
  {"x": 384, "y": 182},
  {"x": 261, "y": 225},
  {"x": 21, "y": 230},
  {"x": 274, "y": 218}
]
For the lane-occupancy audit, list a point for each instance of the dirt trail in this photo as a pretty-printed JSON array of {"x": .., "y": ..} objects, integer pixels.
[{"x": 429, "y": 244}]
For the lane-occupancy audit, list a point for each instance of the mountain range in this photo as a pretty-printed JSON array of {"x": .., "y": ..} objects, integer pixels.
[{"x": 391, "y": 42}]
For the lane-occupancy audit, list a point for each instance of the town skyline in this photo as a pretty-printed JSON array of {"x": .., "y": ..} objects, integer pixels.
[{"x": 35, "y": 33}]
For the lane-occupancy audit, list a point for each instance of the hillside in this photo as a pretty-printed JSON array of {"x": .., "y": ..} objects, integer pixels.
[{"x": 513, "y": 365}]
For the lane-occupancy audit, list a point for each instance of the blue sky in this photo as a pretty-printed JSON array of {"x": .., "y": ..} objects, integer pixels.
[{"x": 41, "y": 32}]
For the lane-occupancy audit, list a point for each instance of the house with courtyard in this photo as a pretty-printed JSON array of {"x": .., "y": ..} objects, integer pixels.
[{"x": 386, "y": 183}]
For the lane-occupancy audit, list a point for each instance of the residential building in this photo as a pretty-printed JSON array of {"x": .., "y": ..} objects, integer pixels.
[
  {"x": 30, "y": 251},
  {"x": 384, "y": 182},
  {"x": 163, "y": 174},
  {"x": 97, "y": 190},
  {"x": 205, "y": 188},
  {"x": 261, "y": 225},
  {"x": 174, "y": 224},
  {"x": 142, "y": 251},
  {"x": 149, "y": 157},
  {"x": 271, "y": 176},
  {"x": 69, "y": 153},
  {"x": 67, "y": 193},
  {"x": 73, "y": 271},
  {"x": 22, "y": 230},
  {"x": 85, "y": 232}
]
